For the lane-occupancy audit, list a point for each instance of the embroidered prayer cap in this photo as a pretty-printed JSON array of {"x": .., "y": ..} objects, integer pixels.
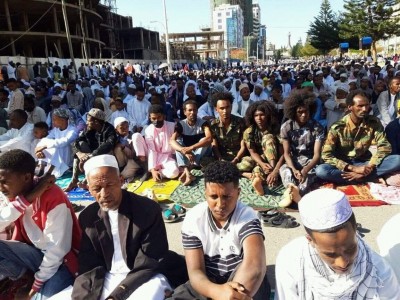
[
  {"x": 344, "y": 75},
  {"x": 105, "y": 160},
  {"x": 243, "y": 85},
  {"x": 56, "y": 98},
  {"x": 343, "y": 88},
  {"x": 324, "y": 209},
  {"x": 97, "y": 113},
  {"x": 119, "y": 120},
  {"x": 62, "y": 113}
]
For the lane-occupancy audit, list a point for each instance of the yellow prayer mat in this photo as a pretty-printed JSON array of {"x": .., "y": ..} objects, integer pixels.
[{"x": 162, "y": 190}]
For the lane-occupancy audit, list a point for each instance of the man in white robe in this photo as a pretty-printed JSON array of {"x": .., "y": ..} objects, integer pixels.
[
  {"x": 331, "y": 261},
  {"x": 56, "y": 149},
  {"x": 138, "y": 111},
  {"x": 20, "y": 134}
]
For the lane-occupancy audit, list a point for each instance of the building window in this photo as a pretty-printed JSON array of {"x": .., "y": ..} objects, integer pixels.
[
  {"x": 219, "y": 20},
  {"x": 219, "y": 27},
  {"x": 228, "y": 13},
  {"x": 219, "y": 14}
]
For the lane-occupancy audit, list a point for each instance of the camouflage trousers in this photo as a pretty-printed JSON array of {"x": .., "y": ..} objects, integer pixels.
[
  {"x": 270, "y": 152},
  {"x": 287, "y": 175}
]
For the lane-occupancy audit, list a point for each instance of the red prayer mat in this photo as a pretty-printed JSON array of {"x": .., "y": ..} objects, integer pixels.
[{"x": 358, "y": 194}]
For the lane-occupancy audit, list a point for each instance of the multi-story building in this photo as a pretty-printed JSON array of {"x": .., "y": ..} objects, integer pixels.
[
  {"x": 37, "y": 28},
  {"x": 245, "y": 5},
  {"x": 229, "y": 19}
]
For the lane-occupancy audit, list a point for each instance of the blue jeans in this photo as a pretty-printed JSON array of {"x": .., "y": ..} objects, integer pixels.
[
  {"x": 199, "y": 153},
  {"x": 330, "y": 173},
  {"x": 17, "y": 257}
]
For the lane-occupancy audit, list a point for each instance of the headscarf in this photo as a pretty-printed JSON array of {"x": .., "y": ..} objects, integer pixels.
[
  {"x": 315, "y": 280},
  {"x": 194, "y": 83},
  {"x": 257, "y": 81},
  {"x": 263, "y": 95},
  {"x": 216, "y": 88},
  {"x": 234, "y": 92}
]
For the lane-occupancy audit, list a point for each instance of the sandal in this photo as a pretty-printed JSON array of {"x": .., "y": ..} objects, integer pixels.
[
  {"x": 273, "y": 213},
  {"x": 281, "y": 222},
  {"x": 169, "y": 216},
  {"x": 179, "y": 210}
]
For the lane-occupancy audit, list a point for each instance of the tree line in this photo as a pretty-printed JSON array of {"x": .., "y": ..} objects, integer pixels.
[{"x": 378, "y": 19}]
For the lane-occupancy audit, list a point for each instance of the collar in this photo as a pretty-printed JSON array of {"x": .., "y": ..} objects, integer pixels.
[
  {"x": 351, "y": 124},
  {"x": 211, "y": 222}
]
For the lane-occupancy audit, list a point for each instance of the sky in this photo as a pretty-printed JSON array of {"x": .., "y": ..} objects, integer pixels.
[{"x": 280, "y": 16}]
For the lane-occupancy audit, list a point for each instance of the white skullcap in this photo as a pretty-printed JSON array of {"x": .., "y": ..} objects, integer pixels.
[
  {"x": 324, "y": 209},
  {"x": 242, "y": 86},
  {"x": 105, "y": 160},
  {"x": 319, "y": 73},
  {"x": 132, "y": 86},
  {"x": 58, "y": 85},
  {"x": 119, "y": 120}
]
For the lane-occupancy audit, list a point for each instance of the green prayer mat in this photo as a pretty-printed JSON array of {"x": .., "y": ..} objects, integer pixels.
[{"x": 193, "y": 194}]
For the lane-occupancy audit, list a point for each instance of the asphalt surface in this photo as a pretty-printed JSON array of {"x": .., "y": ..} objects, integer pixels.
[{"x": 370, "y": 218}]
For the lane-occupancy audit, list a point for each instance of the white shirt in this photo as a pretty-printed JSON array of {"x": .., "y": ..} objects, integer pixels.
[
  {"x": 288, "y": 272},
  {"x": 37, "y": 115},
  {"x": 389, "y": 243},
  {"x": 17, "y": 138},
  {"x": 138, "y": 112}
]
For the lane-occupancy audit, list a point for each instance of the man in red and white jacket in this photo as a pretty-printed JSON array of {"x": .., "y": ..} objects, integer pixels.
[{"x": 47, "y": 235}]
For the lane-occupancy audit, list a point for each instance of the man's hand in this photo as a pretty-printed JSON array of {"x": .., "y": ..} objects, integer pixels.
[
  {"x": 363, "y": 170},
  {"x": 157, "y": 176},
  {"x": 350, "y": 176},
  {"x": 272, "y": 178},
  {"x": 304, "y": 173},
  {"x": 40, "y": 149},
  {"x": 45, "y": 182},
  {"x": 190, "y": 157},
  {"x": 186, "y": 150},
  {"x": 31, "y": 294},
  {"x": 298, "y": 175},
  {"x": 39, "y": 154},
  {"x": 232, "y": 290},
  {"x": 266, "y": 167}
]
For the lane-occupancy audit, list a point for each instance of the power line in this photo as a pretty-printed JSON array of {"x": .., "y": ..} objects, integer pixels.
[{"x": 30, "y": 28}]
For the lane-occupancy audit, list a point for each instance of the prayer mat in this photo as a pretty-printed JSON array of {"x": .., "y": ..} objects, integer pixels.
[
  {"x": 162, "y": 190},
  {"x": 189, "y": 196},
  {"x": 77, "y": 194},
  {"x": 358, "y": 194}
]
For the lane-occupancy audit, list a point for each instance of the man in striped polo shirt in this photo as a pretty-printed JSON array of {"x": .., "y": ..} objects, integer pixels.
[{"x": 223, "y": 243}]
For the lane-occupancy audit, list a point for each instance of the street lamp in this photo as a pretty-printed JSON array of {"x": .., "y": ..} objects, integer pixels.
[{"x": 165, "y": 25}]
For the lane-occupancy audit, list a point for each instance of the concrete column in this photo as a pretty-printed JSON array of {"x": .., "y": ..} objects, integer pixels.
[
  {"x": 9, "y": 24},
  {"x": 26, "y": 20},
  {"x": 141, "y": 39},
  {"x": 149, "y": 36},
  {"x": 93, "y": 31},
  {"x": 55, "y": 20}
]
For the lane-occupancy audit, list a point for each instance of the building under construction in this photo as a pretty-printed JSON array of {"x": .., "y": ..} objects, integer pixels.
[
  {"x": 91, "y": 28},
  {"x": 197, "y": 45}
]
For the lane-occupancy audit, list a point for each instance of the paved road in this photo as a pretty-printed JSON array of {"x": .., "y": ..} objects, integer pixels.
[{"x": 371, "y": 218}]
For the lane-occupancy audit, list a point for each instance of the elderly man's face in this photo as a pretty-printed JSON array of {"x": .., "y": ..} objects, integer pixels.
[
  {"x": 245, "y": 93},
  {"x": 338, "y": 250},
  {"x": 105, "y": 187}
]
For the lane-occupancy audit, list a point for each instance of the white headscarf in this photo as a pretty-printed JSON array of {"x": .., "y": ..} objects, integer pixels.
[
  {"x": 316, "y": 280},
  {"x": 235, "y": 93},
  {"x": 194, "y": 83},
  {"x": 263, "y": 95}
]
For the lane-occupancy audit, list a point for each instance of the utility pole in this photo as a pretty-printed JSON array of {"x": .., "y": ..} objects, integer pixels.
[
  {"x": 167, "y": 37},
  {"x": 71, "y": 50}
]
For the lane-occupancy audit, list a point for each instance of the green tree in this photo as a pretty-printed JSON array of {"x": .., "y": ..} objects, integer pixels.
[
  {"x": 324, "y": 31},
  {"x": 378, "y": 19},
  {"x": 296, "y": 50},
  {"x": 309, "y": 50}
]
